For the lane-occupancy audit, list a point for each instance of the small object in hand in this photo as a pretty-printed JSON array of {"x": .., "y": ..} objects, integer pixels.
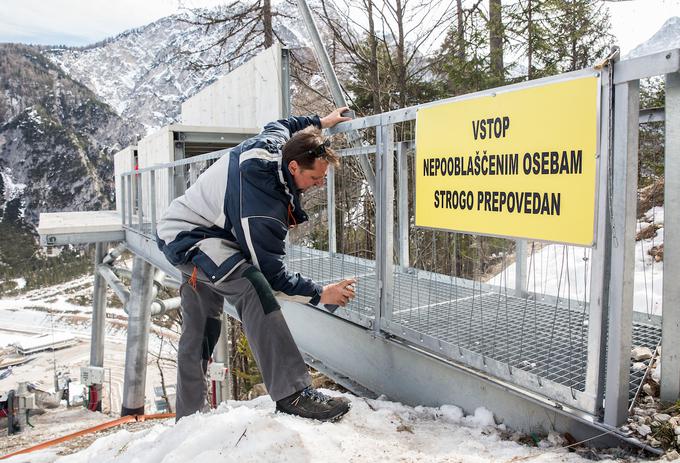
[
  {"x": 331, "y": 307},
  {"x": 348, "y": 113}
]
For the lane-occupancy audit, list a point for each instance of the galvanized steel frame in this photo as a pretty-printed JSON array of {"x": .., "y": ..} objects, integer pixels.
[{"x": 610, "y": 315}]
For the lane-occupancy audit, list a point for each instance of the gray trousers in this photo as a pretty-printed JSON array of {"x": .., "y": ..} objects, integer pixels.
[{"x": 283, "y": 370}]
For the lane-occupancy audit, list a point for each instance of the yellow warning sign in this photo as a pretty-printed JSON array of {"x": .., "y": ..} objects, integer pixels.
[{"x": 520, "y": 163}]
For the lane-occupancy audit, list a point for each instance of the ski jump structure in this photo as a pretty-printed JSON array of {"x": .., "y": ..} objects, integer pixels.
[{"x": 541, "y": 355}]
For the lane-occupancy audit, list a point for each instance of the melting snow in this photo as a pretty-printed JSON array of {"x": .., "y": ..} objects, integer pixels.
[{"x": 374, "y": 430}]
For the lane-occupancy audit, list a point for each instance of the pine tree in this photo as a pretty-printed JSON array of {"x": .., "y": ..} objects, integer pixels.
[
  {"x": 530, "y": 33},
  {"x": 580, "y": 33},
  {"x": 464, "y": 62}
]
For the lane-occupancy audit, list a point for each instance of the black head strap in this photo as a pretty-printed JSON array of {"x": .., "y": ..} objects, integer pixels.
[{"x": 320, "y": 150}]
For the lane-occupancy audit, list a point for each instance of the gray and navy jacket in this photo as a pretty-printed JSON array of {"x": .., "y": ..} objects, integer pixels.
[{"x": 239, "y": 210}]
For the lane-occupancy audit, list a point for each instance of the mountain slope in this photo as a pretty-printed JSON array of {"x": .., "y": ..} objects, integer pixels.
[
  {"x": 146, "y": 73},
  {"x": 56, "y": 145},
  {"x": 56, "y": 137}
]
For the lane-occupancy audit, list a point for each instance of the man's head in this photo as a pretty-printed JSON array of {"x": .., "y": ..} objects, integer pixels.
[{"x": 307, "y": 156}]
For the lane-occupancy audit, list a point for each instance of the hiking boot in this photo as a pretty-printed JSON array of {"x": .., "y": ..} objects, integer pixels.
[{"x": 310, "y": 403}]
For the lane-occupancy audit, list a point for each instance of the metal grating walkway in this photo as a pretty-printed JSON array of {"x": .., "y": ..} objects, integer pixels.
[{"x": 543, "y": 336}]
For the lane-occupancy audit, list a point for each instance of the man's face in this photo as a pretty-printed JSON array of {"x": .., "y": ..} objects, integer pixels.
[{"x": 306, "y": 178}]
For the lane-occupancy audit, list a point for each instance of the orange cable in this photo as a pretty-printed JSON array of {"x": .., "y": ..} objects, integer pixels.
[{"x": 100, "y": 427}]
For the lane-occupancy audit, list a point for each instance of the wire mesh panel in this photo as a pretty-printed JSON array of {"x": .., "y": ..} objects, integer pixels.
[
  {"x": 148, "y": 192},
  {"x": 348, "y": 249},
  {"x": 518, "y": 312}
]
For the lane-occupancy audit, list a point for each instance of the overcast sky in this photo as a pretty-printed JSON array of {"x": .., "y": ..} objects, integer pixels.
[{"x": 81, "y": 22}]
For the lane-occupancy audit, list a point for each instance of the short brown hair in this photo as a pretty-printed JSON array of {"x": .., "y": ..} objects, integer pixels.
[{"x": 302, "y": 146}]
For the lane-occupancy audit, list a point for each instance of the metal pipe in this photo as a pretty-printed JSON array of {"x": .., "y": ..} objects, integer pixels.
[
  {"x": 116, "y": 285},
  {"x": 336, "y": 91},
  {"x": 158, "y": 306},
  {"x": 122, "y": 272},
  {"x": 139, "y": 322},
  {"x": 164, "y": 280},
  {"x": 162, "y": 306},
  {"x": 221, "y": 355},
  {"x": 670, "y": 348},
  {"x": 330, "y": 201},
  {"x": 114, "y": 254}
]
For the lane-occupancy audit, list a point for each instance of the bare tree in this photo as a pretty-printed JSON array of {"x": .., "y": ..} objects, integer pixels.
[
  {"x": 246, "y": 29},
  {"x": 388, "y": 42}
]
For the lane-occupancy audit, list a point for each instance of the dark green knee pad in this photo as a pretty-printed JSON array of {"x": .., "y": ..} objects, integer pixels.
[
  {"x": 263, "y": 290},
  {"x": 211, "y": 333}
]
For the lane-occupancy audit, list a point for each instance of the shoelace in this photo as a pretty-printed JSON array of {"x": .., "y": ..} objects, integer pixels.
[{"x": 312, "y": 394}]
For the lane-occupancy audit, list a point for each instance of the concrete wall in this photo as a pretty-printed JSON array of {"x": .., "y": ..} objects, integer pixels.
[
  {"x": 249, "y": 96},
  {"x": 243, "y": 100}
]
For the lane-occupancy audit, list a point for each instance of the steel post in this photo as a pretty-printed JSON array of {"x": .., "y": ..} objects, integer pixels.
[
  {"x": 670, "y": 348},
  {"x": 521, "y": 267},
  {"x": 152, "y": 199},
  {"x": 170, "y": 178},
  {"x": 131, "y": 198},
  {"x": 98, "y": 318},
  {"x": 402, "y": 205},
  {"x": 334, "y": 85},
  {"x": 179, "y": 178},
  {"x": 122, "y": 199},
  {"x": 285, "y": 82},
  {"x": 623, "y": 211},
  {"x": 330, "y": 208},
  {"x": 139, "y": 323},
  {"x": 385, "y": 224},
  {"x": 137, "y": 185},
  {"x": 221, "y": 355},
  {"x": 599, "y": 268}
]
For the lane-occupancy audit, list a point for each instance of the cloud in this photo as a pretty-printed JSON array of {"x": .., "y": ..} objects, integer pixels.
[{"x": 81, "y": 22}]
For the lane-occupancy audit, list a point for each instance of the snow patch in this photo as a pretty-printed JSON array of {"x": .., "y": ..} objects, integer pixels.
[
  {"x": 12, "y": 189},
  {"x": 373, "y": 430},
  {"x": 564, "y": 271}
]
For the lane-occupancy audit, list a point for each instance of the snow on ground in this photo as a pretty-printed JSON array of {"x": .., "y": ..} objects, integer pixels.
[
  {"x": 56, "y": 296},
  {"x": 373, "y": 431},
  {"x": 558, "y": 268}
]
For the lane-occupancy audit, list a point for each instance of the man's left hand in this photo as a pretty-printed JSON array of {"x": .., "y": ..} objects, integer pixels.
[{"x": 334, "y": 118}]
